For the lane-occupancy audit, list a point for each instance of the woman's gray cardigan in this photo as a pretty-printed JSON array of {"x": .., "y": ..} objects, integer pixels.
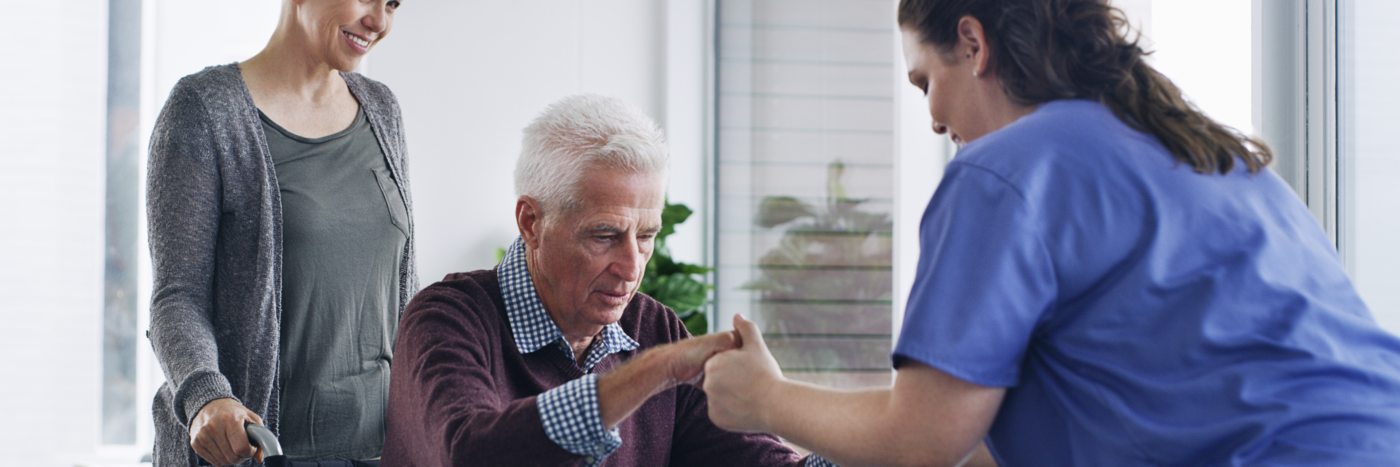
[{"x": 215, "y": 222}]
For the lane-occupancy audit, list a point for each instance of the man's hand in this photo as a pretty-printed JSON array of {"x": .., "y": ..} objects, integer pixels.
[
  {"x": 217, "y": 434},
  {"x": 687, "y": 358},
  {"x": 738, "y": 382}
]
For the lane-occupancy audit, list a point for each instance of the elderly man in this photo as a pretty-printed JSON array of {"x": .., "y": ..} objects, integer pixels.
[{"x": 552, "y": 358}]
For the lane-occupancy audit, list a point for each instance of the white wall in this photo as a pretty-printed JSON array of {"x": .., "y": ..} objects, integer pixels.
[
  {"x": 470, "y": 75},
  {"x": 53, "y": 123}
]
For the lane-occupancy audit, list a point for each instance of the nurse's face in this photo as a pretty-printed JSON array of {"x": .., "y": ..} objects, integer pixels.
[
  {"x": 341, "y": 32},
  {"x": 948, "y": 84}
]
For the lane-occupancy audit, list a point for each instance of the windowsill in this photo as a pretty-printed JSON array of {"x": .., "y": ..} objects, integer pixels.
[{"x": 114, "y": 456}]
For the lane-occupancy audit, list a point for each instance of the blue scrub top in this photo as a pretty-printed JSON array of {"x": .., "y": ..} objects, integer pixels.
[{"x": 1140, "y": 313}]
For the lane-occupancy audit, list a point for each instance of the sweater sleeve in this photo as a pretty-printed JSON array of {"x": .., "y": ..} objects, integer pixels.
[
  {"x": 183, "y": 212},
  {"x": 446, "y": 406}
]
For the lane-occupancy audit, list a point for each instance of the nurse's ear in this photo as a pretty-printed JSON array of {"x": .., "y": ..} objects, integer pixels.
[{"x": 972, "y": 42}]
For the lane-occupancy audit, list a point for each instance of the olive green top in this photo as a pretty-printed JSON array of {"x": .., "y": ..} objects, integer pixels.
[{"x": 344, "y": 229}]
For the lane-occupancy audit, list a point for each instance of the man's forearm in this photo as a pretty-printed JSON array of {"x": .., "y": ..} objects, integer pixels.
[{"x": 626, "y": 388}]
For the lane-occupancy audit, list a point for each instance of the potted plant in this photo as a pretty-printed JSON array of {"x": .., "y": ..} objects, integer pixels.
[
  {"x": 675, "y": 284},
  {"x": 824, "y": 291}
]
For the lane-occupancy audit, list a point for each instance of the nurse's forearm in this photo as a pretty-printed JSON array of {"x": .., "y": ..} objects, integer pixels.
[
  {"x": 856, "y": 428},
  {"x": 927, "y": 418}
]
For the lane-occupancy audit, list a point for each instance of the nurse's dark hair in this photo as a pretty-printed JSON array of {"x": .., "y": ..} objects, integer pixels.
[{"x": 1043, "y": 50}]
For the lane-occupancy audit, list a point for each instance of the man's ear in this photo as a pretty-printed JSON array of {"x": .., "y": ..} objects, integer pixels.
[{"x": 529, "y": 218}]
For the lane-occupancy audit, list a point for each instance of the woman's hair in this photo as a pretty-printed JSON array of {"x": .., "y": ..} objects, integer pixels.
[
  {"x": 582, "y": 133},
  {"x": 1043, "y": 50}
]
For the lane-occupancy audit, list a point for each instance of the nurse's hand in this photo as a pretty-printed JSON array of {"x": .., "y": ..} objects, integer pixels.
[
  {"x": 217, "y": 434},
  {"x": 739, "y": 383}
]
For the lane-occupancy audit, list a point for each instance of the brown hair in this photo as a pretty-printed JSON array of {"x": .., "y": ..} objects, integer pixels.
[{"x": 1043, "y": 50}]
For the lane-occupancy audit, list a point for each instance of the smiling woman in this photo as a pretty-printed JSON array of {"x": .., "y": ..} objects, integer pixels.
[{"x": 280, "y": 318}]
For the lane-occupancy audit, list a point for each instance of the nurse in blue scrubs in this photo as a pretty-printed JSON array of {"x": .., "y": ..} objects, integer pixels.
[{"x": 1107, "y": 278}]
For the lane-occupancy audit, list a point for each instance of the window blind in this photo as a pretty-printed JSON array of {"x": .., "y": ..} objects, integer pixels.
[{"x": 805, "y": 129}]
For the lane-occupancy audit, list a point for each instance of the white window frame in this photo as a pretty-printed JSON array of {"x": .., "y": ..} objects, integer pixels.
[
  {"x": 1295, "y": 103},
  {"x": 690, "y": 128}
]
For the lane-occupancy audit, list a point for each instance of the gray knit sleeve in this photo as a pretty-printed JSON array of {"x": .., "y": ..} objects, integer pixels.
[{"x": 183, "y": 218}]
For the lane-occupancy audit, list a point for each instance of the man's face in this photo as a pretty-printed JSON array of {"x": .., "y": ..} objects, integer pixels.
[{"x": 587, "y": 263}]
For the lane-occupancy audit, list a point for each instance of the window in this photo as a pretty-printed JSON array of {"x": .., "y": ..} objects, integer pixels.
[
  {"x": 805, "y": 150},
  {"x": 122, "y": 246},
  {"x": 1368, "y": 154},
  {"x": 1325, "y": 104},
  {"x": 1213, "y": 70}
]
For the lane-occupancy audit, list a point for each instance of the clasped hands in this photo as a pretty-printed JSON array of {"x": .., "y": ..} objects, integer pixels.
[{"x": 741, "y": 375}]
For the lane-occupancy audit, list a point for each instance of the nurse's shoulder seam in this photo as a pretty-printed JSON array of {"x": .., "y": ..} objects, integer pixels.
[{"x": 956, "y": 168}]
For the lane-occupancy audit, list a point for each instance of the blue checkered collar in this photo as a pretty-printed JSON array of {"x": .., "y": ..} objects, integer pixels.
[{"x": 530, "y": 323}]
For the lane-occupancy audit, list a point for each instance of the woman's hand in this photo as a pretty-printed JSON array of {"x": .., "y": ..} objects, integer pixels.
[
  {"x": 739, "y": 382},
  {"x": 217, "y": 434}
]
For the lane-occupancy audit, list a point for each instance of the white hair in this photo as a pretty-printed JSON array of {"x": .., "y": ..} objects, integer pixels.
[{"x": 581, "y": 133}]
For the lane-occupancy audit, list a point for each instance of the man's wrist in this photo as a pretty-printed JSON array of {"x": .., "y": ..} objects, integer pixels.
[
  {"x": 625, "y": 388},
  {"x": 653, "y": 369}
]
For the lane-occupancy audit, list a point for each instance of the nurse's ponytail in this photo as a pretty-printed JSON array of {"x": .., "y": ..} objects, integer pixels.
[{"x": 1043, "y": 50}]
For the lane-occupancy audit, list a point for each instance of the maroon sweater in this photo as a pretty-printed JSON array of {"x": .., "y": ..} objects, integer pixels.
[{"x": 463, "y": 395}]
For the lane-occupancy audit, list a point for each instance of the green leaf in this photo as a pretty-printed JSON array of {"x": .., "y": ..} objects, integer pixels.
[
  {"x": 661, "y": 264},
  {"x": 696, "y": 323},
  {"x": 671, "y": 215},
  {"x": 679, "y": 291},
  {"x": 687, "y": 268}
]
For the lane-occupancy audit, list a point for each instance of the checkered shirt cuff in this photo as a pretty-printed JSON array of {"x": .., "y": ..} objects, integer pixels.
[
  {"x": 573, "y": 421},
  {"x": 817, "y": 461}
]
